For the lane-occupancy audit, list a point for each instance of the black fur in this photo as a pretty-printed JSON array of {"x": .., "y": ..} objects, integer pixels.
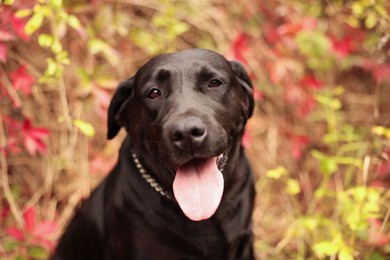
[{"x": 125, "y": 218}]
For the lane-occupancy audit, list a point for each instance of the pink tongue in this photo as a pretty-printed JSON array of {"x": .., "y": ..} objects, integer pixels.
[{"x": 198, "y": 188}]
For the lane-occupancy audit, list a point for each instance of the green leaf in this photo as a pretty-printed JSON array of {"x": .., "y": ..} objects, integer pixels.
[
  {"x": 331, "y": 102},
  {"x": 373, "y": 195},
  {"x": 85, "y": 127},
  {"x": 376, "y": 256},
  {"x": 354, "y": 219},
  {"x": 62, "y": 58},
  {"x": 382, "y": 131},
  {"x": 309, "y": 223},
  {"x": 276, "y": 173},
  {"x": 8, "y": 2},
  {"x": 348, "y": 161},
  {"x": 381, "y": 10},
  {"x": 346, "y": 254},
  {"x": 73, "y": 21},
  {"x": 325, "y": 248},
  {"x": 23, "y": 13},
  {"x": 371, "y": 20},
  {"x": 353, "y": 22},
  {"x": 56, "y": 46},
  {"x": 313, "y": 43},
  {"x": 357, "y": 8},
  {"x": 45, "y": 40},
  {"x": 359, "y": 193},
  {"x": 321, "y": 192},
  {"x": 55, "y": 3},
  {"x": 37, "y": 252},
  {"x": 293, "y": 187},
  {"x": 178, "y": 28},
  {"x": 146, "y": 41},
  {"x": 52, "y": 67},
  {"x": 328, "y": 165},
  {"x": 98, "y": 46},
  {"x": 34, "y": 23},
  {"x": 10, "y": 245}
]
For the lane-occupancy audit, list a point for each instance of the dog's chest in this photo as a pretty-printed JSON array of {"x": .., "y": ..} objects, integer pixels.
[{"x": 171, "y": 237}]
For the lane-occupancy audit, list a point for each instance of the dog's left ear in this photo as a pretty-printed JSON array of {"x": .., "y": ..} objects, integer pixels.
[
  {"x": 243, "y": 78},
  {"x": 119, "y": 101}
]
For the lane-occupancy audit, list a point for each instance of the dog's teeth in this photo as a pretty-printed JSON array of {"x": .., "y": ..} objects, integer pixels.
[{"x": 221, "y": 161}]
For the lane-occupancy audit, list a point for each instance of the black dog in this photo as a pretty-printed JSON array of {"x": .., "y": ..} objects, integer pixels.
[{"x": 182, "y": 188}]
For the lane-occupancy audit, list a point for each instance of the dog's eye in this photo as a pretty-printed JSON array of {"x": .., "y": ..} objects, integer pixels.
[
  {"x": 214, "y": 83},
  {"x": 154, "y": 93}
]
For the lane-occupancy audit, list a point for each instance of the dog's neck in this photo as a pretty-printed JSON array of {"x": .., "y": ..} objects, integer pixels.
[{"x": 150, "y": 179}]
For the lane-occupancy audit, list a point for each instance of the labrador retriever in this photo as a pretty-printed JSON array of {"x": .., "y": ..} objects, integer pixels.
[{"x": 182, "y": 187}]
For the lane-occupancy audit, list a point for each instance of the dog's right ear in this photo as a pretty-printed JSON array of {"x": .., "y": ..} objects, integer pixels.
[
  {"x": 245, "y": 81},
  {"x": 119, "y": 101}
]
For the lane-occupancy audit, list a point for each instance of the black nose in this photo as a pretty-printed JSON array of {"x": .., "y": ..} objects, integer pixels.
[{"x": 187, "y": 133}]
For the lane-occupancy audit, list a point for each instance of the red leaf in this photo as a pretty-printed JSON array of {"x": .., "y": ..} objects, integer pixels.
[
  {"x": 6, "y": 35},
  {"x": 29, "y": 219},
  {"x": 21, "y": 80},
  {"x": 311, "y": 82},
  {"x": 239, "y": 46},
  {"x": 382, "y": 72},
  {"x": 33, "y": 138},
  {"x": 298, "y": 144},
  {"x": 101, "y": 164},
  {"x": 271, "y": 33},
  {"x": 3, "y": 52},
  {"x": 343, "y": 47},
  {"x": 281, "y": 70},
  {"x": 102, "y": 97},
  {"x": 33, "y": 131},
  {"x": 308, "y": 23},
  {"x": 45, "y": 228},
  {"x": 307, "y": 106},
  {"x": 4, "y": 213},
  {"x": 44, "y": 243},
  {"x": 376, "y": 236},
  {"x": 11, "y": 146},
  {"x": 33, "y": 145},
  {"x": 15, "y": 233},
  {"x": 24, "y": 4},
  {"x": 246, "y": 139},
  {"x": 288, "y": 28},
  {"x": 39, "y": 133},
  {"x": 11, "y": 125},
  {"x": 19, "y": 25},
  {"x": 258, "y": 95}
]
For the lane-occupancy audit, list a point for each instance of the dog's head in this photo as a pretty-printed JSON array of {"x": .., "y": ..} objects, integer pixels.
[{"x": 186, "y": 110}]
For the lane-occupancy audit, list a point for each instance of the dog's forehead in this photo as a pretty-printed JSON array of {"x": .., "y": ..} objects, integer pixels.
[{"x": 188, "y": 59}]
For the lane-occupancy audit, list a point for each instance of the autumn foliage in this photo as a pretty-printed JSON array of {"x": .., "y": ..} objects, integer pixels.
[{"x": 318, "y": 142}]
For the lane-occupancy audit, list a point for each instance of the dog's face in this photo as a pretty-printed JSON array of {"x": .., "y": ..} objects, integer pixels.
[{"x": 186, "y": 110}]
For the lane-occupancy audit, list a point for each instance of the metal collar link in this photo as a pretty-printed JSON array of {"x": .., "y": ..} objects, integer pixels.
[{"x": 149, "y": 179}]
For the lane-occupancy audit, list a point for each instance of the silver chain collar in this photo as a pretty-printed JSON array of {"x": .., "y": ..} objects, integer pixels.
[
  {"x": 149, "y": 179},
  {"x": 221, "y": 162}
]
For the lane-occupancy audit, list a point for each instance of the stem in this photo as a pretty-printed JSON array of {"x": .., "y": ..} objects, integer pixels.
[{"x": 5, "y": 181}]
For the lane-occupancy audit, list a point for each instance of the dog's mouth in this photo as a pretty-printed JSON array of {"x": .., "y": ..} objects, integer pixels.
[{"x": 198, "y": 186}]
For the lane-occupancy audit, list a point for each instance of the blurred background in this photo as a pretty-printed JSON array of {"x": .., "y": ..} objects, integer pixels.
[{"x": 318, "y": 141}]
